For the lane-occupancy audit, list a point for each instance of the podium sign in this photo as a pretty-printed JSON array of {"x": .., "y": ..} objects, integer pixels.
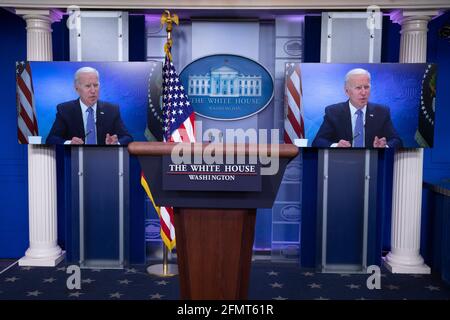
[{"x": 211, "y": 177}]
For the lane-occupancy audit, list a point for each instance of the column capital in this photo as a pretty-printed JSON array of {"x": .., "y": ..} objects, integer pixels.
[
  {"x": 400, "y": 16},
  {"x": 45, "y": 14}
]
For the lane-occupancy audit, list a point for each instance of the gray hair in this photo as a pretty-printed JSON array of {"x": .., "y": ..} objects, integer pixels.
[
  {"x": 356, "y": 71},
  {"x": 85, "y": 70}
]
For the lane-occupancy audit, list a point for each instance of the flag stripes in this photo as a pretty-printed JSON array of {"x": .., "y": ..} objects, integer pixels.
[
  {"x": 163, "y": 215},
  {"x": 294, "y": 127},
  {"x": 26, "y": 112}
]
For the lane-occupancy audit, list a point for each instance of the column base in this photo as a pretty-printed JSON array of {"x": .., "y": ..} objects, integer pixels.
[
  {"x": 42, "y": 262},
  {"x": 396, "y": 268}
]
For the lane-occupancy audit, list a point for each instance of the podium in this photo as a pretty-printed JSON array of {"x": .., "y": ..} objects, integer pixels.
[{"x": 214, "y": 229}]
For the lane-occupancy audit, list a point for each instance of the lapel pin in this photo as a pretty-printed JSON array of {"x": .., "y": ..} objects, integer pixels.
[
  {"x": 101, "y": 112},
  {"x": 371, "y": 115}
]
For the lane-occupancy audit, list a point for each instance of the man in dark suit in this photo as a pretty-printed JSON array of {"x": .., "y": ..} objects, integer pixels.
[
  {"x": 88, "y": 120},
  {"x": 357, "y": 122}
]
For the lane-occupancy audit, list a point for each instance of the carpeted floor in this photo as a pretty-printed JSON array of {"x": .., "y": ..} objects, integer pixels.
[{"x": 268, "y": 281}]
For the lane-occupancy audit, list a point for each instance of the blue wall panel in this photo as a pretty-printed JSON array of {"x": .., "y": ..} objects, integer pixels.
[
  {"x": 13, "y": 157},
  {"x": 437, "y": 160},
  {"x": 309, "y": 208}
]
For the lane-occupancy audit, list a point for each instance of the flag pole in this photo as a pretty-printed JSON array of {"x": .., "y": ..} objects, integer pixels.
[{"x": 166, "y": 269}]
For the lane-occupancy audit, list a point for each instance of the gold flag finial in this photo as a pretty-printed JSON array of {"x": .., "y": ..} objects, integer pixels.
[{"x": 167, "y": 18}]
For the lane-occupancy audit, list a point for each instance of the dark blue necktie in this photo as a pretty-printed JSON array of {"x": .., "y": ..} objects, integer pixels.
[
  {"x": 358, "y": 133},
  {"x": 90, "y": 127}
]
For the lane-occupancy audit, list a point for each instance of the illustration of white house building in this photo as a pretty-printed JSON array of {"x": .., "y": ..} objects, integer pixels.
[{"x": 225, "y": 82}]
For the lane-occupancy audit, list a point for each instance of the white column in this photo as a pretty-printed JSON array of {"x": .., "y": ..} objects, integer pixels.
[
  {"x": 408, "y": 163},
  {"x": 44, "y": 249}
]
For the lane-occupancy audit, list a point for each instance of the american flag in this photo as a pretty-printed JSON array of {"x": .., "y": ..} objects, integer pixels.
[
  {"x": 178, "y": 114},
  {"x": 26, "y": 112},
  {"x": 178, "y": 126},
  {"x": 294, "y": 127}
]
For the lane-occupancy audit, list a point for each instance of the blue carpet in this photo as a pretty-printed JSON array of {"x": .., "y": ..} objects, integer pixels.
[{"x": 268, "y": 281}]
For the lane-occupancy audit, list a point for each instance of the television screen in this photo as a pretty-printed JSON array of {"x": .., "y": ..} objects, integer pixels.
[
  {"x": 362, "y": 105},
  {"x": 86, "y": 102}
]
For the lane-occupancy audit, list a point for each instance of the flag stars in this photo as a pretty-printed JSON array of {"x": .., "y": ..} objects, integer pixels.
[
  {"x": 161, "y": 283},
  {"x": 49, "y": 280},
  {"x": 272, "y": 273},
  {"x": 353, "y": 286}
]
